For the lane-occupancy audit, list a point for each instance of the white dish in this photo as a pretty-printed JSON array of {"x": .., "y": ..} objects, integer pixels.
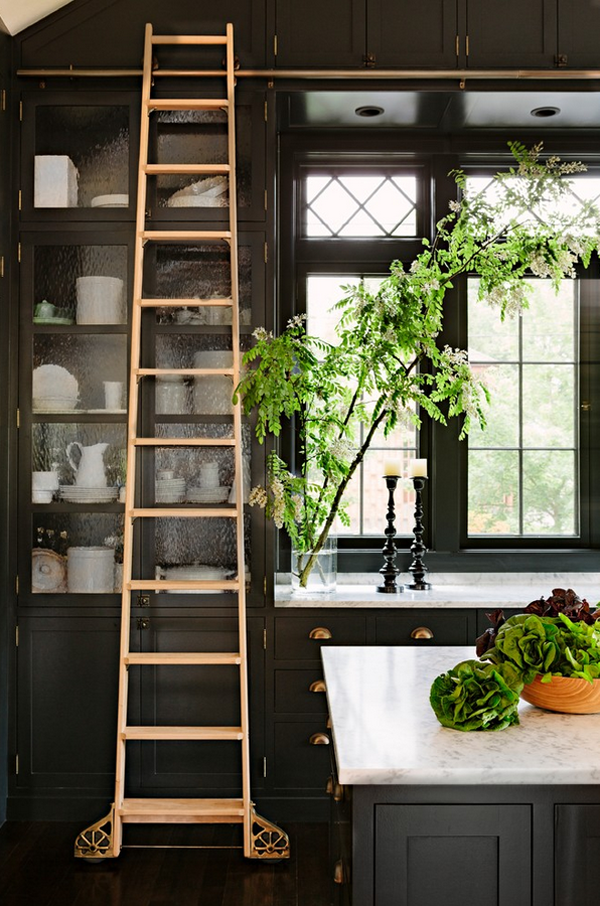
[
  {"x": 191, "y": 574},
  {"x": 88, "y": 495},
  {"x": 110, "y": 201},
  {"x": 110, "y": 411},
  {"x": 54, "y": 404},
  {"x": 53, "y": 381},
  {"x": 208, "y": 495}
]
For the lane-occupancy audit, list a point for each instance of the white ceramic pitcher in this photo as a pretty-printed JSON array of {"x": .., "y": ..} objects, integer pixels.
[{"x": 89, "y": 471}]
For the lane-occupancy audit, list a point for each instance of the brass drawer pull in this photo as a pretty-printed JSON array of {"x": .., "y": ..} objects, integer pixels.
[
  {"x": 421, "y": 632},
  {"x": 320, "y": 632},
  {"x": 317, "y": 686},
  {"x": 338, "y": 792},
  {"x": 339, "y": 875},
  {"x": 329, "y": 786},
  {"x": 319, "y": 739}
]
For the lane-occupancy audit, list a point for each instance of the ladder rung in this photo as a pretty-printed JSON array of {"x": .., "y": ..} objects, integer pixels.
[
  {"x": 162, "y": 733},
  {"x": 191, "y": 169},
  {"x": 175, "y": 658},
  {"x": 187, "y": 512},
  {"x": 159, "y": 372},
  {"x": 189, "y": 73},
  {"x": 189, "y": 39},
  {"x": 181, "y": 811},
  {"x": 189, "y": 303},
  {"x": 185, "y": 235},
  {"x": 184, "y": 441},
  {"x": 181, "y": 584},
  {"x": 187, "y": 104}
]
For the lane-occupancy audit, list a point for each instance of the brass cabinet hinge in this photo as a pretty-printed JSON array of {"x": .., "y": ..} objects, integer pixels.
[
  {"x": 467, "y": 46},
  {"x": 266, "y": 112},
  {"x": 3, "y": 99},
  {"x": 16, "y": 763},
  {"x": 265, "y": 639},
  {"x": 17, "y": 632},
  {"x": 266, "y": 252},
  {"x": 18, "y": 418},
  {"x": 266, "y": 200},
  {"x": 457, "y": 45},
  {"x": 265, "y": 586},
  {"x": 19, "y": 252},
  {"x": 265, "y": 766},
  {"x": 275, "y": 45},
  {"x": 20, "y": 111},
  {"x": 1, "y": 265},
  {"x": 20, "y": 202}
]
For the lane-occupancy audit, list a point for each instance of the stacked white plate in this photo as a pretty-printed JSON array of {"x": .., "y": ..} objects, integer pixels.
[
  {"x": 208, "y": 495},
  {"x": 110, "y": 201},
  {"x": 73, "y": 494},
  {"x": 169, "y": 490},
  {"x": 54, "y": 389}
]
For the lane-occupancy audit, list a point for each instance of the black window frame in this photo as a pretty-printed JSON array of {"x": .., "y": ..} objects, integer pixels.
[{"x": 445, "y": 497}]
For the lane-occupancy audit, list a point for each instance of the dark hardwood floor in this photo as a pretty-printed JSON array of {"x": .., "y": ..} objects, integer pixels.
[{"x": 37, "y": 868}]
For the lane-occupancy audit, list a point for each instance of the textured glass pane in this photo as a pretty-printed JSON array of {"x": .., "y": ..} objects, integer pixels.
[
  {"x": 82, "y": 457},
  {"x": 203, "y": 475},
  {"x": 58, "y": 270},
  {"x": 70, "y": 371},
  {"x": 200, "y": 137},
  {"x": 549, "y": 480},
  {"x": 490, "y": 339},
  {"x": 96, "y": 141},
  {"x": 502, "y": 412},
  {"x": 493, "y": 496},
  {"x": 549, "y": 401},
  {"x": 76, "y": 553},
  {"x": 550, "y": 323},
  {"x": 197, "y": 272}
]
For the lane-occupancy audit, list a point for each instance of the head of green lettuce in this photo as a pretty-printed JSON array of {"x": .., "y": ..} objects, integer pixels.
[{"x": 485, "y": 696}]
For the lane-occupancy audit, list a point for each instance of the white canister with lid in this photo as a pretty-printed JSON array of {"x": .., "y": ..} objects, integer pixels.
[
  {"x": 90, "y": 570},
  {"x": 212, "y": 392}
]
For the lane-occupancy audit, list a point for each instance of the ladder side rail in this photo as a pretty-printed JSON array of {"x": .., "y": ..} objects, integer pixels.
[
  {"x": 130, "y": 485},
  {"x": 238, "y": 452}
]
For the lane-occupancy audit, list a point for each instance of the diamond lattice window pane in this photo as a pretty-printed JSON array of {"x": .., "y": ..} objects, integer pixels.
[{"x": 360, "y": 206}]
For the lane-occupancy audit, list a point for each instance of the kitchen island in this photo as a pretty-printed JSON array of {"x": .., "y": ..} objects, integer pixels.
[{"x": 425, "y": 815}]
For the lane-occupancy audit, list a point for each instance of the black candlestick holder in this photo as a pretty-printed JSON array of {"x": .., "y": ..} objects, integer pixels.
[
  {"x": 417, "y": 548},
  {"x": 389, "y": 570}
]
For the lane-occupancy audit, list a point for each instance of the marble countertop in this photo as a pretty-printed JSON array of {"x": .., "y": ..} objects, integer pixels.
[
  {"x": 449, "y": 591},
  {"x": 385, "y": 731}
]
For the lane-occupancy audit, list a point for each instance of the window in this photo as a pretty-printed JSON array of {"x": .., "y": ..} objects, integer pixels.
[{"x": 525, "y": 484}]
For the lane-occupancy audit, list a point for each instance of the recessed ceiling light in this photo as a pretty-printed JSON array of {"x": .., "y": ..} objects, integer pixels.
[
  {"x": 545, "y": 111},
  {"x": 369, "y": 110}
]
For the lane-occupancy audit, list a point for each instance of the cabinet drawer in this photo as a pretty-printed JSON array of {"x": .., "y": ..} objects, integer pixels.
[
  {"x": 299, "y": 763},
  {"x": 300, "y": 691},
  {"x": 423, "y": 628},
  {"x": 302, "y": 637}
]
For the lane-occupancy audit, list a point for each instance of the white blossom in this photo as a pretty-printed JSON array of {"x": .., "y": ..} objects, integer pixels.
[
  {"x": 261, "y": 334},
  {"x": 258, "y": 497},
  {"x": 296, "y": 321}
]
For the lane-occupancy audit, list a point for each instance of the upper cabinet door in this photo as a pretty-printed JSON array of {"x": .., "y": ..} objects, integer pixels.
[
  {"x": 510, "y": 34},
  {"x": 578, "y": 31},
  {"x": 320, "y": 33},
  {"x": 404, "y": 34}
]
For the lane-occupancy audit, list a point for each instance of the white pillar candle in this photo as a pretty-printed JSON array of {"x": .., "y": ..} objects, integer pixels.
[
  {"x": 391, "y": 469},
  {"x": 417, "y": 468}
]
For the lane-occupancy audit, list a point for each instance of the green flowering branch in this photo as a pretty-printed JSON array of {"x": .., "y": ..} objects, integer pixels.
[{"x": 386, "y": 367}]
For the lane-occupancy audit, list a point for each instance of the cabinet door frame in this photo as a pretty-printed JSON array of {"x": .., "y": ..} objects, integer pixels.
[
  {"x": 32, "y": 101},
  {"x": 326, "y": 57},
  {"x": 382, "y": 34},
  {"x": 477, "y": 12}
]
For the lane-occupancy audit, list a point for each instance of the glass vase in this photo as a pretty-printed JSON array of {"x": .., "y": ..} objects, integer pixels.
[{"x": 315, "y": 574}]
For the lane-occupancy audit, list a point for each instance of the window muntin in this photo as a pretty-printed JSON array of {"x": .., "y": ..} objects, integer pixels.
[
  {"x": 366, "y": 494},
  {"x": 349, "y": 204},
  {"x": 523, "y": 469}
]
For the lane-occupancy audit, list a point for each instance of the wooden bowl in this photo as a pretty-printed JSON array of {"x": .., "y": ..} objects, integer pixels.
[{"x": 567, "y": 694}]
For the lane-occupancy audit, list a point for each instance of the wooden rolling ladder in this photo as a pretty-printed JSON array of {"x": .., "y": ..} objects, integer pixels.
[{"x": 262, "y": 840}]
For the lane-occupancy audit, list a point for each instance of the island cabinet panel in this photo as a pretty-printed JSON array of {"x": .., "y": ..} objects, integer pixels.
[
  {"x": 302, "y": 637},
  {"x": 577, "y": 829},
  {"x": 452, "y": 854}
]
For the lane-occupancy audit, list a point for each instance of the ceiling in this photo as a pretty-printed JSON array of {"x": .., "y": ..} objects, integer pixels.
[{"x": 19, "y": 14}]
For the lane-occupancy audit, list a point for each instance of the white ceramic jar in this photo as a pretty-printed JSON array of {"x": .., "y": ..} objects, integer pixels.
[{"x": 90, "y": 570}]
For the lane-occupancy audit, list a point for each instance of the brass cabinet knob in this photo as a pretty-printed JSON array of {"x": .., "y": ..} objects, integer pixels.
[
  {"x": 319, "y": 739},
  {"x": 320, "y": 632},
  {"x": 317, "y": 686},
  {"x": 338, "y": 792},
  {"x": 339, "y": 873},
  {"x": 421, "y": 632}
]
